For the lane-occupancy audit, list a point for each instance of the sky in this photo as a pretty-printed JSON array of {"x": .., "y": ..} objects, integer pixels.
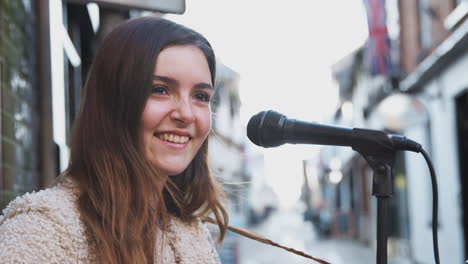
[{"x": 283, "y": 51}]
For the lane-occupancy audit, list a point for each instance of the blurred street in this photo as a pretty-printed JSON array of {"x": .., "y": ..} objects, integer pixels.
[{"x": 288, "y": 229}]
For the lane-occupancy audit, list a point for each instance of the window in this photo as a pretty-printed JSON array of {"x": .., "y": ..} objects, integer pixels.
[{"x": 19, "y": 124}]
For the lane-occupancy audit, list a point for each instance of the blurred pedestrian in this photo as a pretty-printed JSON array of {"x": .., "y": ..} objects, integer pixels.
[{"x": 138, "y": 180}]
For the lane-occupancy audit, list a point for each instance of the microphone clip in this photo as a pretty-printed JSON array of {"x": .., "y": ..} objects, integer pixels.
[{"x": 379, "y": 151}]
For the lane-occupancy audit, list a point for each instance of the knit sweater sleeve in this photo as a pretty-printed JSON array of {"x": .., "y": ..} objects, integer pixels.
[
  {"x": 43, "y": 227},
  {"x": 34, "y": 237}
]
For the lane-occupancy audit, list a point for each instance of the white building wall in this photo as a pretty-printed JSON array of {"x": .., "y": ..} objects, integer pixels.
[
  {"x": 439, "y": 95},
  {"x": 225, "y": 161},
  {"x": 419, "y": 197}
]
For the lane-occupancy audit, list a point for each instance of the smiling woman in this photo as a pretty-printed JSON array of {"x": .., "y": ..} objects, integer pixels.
[
  {"x": 138, "y": 180},
  {"x": 177, "y": 116}
]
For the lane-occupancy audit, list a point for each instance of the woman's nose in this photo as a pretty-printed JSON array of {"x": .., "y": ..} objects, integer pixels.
[{"x": 183, "y": 111}]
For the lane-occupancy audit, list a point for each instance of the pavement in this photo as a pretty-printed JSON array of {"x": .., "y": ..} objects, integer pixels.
[{"x": 289, "y": 229}]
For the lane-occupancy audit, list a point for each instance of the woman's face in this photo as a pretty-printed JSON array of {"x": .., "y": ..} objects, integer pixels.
[{"x": 177, "y": 115}]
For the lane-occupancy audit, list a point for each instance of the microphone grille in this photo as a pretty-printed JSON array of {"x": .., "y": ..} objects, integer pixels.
[
  {"x": 253, "y": 127},
  {"x": 264, "y": 129}
]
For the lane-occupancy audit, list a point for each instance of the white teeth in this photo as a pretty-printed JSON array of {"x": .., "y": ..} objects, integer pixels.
[{"x": 174, "y": 138}]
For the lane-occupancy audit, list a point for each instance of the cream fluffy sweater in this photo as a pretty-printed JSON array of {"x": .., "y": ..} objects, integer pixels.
[{"x": 45, "y": 227}]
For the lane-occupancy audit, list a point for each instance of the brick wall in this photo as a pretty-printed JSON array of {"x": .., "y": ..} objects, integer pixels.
[
  {"x": 18, "y": 100},
  {"x": 410, "y": 48},
  {"x": 440, "y": 10},
  {"x": 409, "y": 34}
]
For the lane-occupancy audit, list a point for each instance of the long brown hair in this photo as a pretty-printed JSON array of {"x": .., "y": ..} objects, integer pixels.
[{"x": 124, "y": 202}]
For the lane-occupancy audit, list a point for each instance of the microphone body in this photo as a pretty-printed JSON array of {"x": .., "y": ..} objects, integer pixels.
[
  {"x": 301, "y": 132},
  {"x": 271, "y": 129}
]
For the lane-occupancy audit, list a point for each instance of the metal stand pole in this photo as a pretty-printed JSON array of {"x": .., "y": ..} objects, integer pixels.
[
  {"x": 382, "y": 189},
  {"x": 382, "y": 234}
]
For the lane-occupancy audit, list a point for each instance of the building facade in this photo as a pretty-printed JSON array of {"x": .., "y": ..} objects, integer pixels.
[{"x": 424, "y": 97}]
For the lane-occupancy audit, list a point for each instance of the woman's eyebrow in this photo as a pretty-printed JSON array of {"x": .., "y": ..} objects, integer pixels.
[
  {"x": 170, "y": 80},
  {"x": 165, "y": 79},
  {"x": 203, "y": 86}
]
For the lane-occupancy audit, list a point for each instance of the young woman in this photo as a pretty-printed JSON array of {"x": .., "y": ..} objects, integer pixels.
[{"x": 138, "y": 180}]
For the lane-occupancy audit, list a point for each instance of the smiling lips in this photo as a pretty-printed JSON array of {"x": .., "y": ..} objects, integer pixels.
[{"x": 173, "y": 138}]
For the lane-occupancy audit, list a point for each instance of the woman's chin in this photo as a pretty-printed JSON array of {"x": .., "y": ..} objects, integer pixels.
[
  {"x": 170, "y": 167},
  {"x": 172, "y": 171}
]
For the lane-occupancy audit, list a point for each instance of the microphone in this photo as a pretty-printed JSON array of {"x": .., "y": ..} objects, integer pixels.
[{"x": 271, "y": 129}]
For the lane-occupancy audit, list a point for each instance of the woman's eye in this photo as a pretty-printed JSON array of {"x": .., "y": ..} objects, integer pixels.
[
  {"x": 203, "y": 97},
  {"x": 158, "y": 89}
]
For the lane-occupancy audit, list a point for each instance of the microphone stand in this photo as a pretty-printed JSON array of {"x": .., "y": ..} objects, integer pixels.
[{"x": 381, "y": 157}]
